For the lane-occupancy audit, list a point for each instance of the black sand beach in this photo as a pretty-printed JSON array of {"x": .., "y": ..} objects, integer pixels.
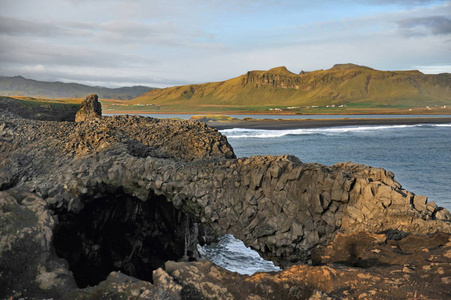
[{"x": 319, "y": 123}]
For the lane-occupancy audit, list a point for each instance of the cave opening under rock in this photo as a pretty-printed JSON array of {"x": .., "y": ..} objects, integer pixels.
[{"x": 119, "y": 232}]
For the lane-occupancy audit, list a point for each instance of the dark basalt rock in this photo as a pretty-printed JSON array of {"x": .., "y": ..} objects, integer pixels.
[
  {"x": 126, "y": 194},
  {"x": 90, "y": 109}
]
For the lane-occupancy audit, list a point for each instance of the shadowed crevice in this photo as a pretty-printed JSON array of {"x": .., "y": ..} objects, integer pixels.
[{"x": 122, "y": 233}]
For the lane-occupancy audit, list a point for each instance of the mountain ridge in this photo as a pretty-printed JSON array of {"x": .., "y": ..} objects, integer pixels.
[
  {"x": 342, "y": 84},
  {"x": 21, "y": 86}
]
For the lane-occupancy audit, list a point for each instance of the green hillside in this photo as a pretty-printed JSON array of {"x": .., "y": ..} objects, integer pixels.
[
  {"x": 20, "y": 86},
  {"x": 344, "y": 84}
]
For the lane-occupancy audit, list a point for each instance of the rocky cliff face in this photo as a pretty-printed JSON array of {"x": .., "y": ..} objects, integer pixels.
[
  {"x": 275, "y": 78},
  {"x": 129, "y": 193}
]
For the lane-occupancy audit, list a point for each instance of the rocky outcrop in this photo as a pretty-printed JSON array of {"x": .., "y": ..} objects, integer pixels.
[
  {"x": 37, "y": 109},
  {"x": 90, "y": 109},
  {"x": 129, "y": 193},
  {"x": 275, "y": 78}
]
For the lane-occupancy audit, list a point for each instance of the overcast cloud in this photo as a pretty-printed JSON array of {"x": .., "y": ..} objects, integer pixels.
[
  {"x": 438, "y": 25},
  {"x": 169, "y": 42}
]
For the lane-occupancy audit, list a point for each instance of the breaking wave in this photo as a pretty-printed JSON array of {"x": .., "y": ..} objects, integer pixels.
[
  {"x": 265, "y": 133},
  {"x": 231, "y": 254}
]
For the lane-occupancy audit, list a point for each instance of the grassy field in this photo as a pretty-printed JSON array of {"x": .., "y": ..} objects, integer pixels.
[
  {"x": 112, "y": 106},
  {"x": 40, "y": 101},
  {"x": 360, "y": 108}
]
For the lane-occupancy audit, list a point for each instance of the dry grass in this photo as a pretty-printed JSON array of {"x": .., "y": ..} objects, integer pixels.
[{"x": 47, "y": 100}]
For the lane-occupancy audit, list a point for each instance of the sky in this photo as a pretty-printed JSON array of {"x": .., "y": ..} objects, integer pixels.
[{"x": 162, "y": 43}]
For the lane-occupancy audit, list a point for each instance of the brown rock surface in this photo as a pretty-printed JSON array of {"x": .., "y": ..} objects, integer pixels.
[{"x": 354, "y": 266}]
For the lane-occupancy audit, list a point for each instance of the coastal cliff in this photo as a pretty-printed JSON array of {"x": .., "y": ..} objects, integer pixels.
[{"x": 101, "y": 208}]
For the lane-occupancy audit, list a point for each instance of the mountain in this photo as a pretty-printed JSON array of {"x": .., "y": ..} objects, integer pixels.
[
  {"x": 342, "y": 84},
  {"x": 20, "y": 86}
]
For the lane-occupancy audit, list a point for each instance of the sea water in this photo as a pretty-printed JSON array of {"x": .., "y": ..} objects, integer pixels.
[
  {"x": 231, "y": 254},
  {"x": 419, "y": 155}
]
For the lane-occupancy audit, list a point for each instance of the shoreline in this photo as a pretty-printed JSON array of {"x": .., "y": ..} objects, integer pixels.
[
  {"x": 245, "y": 112},
  {"x": 321, "y": 123}
]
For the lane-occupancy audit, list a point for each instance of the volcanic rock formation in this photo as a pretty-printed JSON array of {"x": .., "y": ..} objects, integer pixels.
[
  {"x": 90, "y": 108},
  {"x": 82, "y": 201}
]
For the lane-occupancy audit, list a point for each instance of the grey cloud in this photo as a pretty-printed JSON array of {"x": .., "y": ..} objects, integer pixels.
[
  {"x": 12, "y": 26},
  {"x": 37, "y": 52},
  {"x": 437, "y": 25},
  {"x": 20, "y": 27},
  {"x": 405, "y": 2},
  {"x": 114, "y": 31},
  {"x": 134, "y": 28},
  {"x": 162, "y": 33},
  {"x": 133, "y": 31}
]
